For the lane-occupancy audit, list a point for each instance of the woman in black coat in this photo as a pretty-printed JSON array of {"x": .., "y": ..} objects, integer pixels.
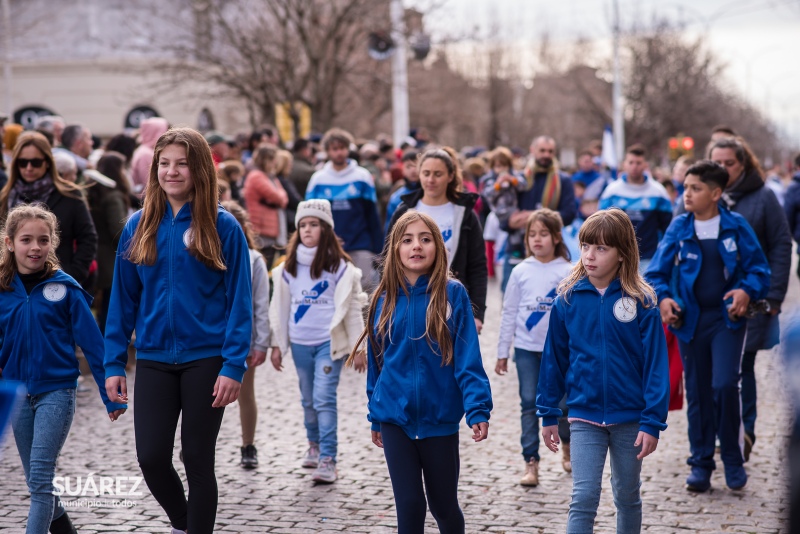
[
  {"x": 33, "y": 178},
  {"x": 440, "y": 196},
  {"x": 747, "y": 195},
  {"x": 109, "y": 208}
]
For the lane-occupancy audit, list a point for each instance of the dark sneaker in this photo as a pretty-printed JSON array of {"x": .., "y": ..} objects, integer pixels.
[
  {"x": 325, "y": 472},
  {"x": 735, "y": 477},
  {"x": 249, "y": 457},
  {"x": 699, "y": 480},
  {"x": 311, "y": 458}
]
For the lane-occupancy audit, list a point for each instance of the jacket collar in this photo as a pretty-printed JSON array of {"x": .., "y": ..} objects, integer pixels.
[
  {"x": 585, "y": 285},
  {"x": 60, "y": 277},
  {"x": 726, "y": 222},
  {"x": 647, "y": 178}
]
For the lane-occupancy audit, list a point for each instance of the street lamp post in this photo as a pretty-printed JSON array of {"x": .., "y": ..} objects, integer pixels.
[
  {"x": 400, "y": 112},
  {"x": 617, "y": 98},
  {"x": 7, "y": 56}
]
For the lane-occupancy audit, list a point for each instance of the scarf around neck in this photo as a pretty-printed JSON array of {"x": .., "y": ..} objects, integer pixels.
[
  {"x": 28, "y": 192},
  {"x": 305, "y": 255},
  {"x": 551, "y": 195}
]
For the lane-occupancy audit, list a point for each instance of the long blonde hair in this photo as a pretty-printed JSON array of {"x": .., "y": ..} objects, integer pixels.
[
  {"x": 16, "y": 218},
  {"x": 205, "y": 244},
  {"x": 613, "y": 228},
  {"x": 393, "y": 282}
]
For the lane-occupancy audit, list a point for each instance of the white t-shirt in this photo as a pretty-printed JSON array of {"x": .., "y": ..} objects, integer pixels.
[
  {"x": 444, "y": 216},
  {"x": 312, "y": 305},
  {"x": 707, "y": 229}
]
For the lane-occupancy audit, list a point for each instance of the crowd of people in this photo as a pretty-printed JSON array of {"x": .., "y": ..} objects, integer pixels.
[{"x": 616, "y": 286}]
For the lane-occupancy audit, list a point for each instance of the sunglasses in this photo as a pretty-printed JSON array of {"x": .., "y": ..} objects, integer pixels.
[{"x": 35, "y": 162}]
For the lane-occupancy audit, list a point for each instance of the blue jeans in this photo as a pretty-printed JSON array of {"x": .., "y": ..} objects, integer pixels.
[
  {"x": 40, "y": 430},
  {"x": 319, "y": 378},
  {"x": 528, "y": 364},
  {"x": 589, "y": 446}
]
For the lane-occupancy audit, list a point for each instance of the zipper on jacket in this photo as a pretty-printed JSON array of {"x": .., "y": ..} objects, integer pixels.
[
  {"x": 28, "y": 338},
  {"x": 605, "y": 357},
  {"x": 412, "y": 317},
  {"x": 169, "y": 296}
]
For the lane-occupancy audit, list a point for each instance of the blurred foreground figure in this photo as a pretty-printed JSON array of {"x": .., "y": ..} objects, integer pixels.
[{"x": 791, "y": 346}]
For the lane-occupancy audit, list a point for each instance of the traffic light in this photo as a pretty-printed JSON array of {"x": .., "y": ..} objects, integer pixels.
[{"x": 680, "y": 145}]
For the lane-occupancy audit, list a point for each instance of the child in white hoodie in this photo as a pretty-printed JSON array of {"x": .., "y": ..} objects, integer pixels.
[
  {"x": 316, "y": 311},
  {"x": 526, "y": 312}
]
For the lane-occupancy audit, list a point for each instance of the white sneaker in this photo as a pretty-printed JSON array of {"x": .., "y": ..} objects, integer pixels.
[
  {"x": 326, "y": 472},
  {"x": 311, "y": 459}
]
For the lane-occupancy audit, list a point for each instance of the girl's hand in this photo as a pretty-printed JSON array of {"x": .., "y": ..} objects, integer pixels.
[
  {"x": 550, "y": 437},
  {"x": 276, "y": 359},
  {"x": 669, "y": 308},
  {"x": 480, "y": 431},
  {"x": 377, "y": 439},
  {"x": 360, "y": 361},
  {"x": 740, "y": 302},
  {"x": 258, "y": 357},
  {"x": 501, "y": 367},
  {"x": 117, "y": 389},
  {"x": 478, "y": 325},
  {"x": 226, "y": 390},
  {"x": 115, "y": 414},
  {"x": 648, "y": 443}
]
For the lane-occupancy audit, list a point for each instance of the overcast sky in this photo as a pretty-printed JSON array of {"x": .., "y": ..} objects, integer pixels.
[{"x": 759, "y": 40}]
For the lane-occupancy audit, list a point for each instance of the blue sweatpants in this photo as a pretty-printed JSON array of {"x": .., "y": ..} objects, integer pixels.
[
  {"x": 437, "y": 461},
  {"x": 712, "y": 365}
]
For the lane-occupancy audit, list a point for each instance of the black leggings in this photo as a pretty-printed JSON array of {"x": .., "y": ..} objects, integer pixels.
[
  {"x": 164, "y": 391},
  {"x": 437, "y": 461}
]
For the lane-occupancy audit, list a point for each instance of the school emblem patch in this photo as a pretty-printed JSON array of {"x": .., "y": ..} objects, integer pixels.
[
  {"x": 54, "y": 292},
  {"x": 187, "y": 237},
  {"x": 625, "y": 310}
]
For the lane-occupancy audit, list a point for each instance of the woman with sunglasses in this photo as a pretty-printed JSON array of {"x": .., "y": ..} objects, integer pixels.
[{"x": 33, "y": 177}]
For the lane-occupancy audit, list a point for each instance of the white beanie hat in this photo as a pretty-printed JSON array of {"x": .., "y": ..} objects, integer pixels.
[{"x": 318, "y": 207}]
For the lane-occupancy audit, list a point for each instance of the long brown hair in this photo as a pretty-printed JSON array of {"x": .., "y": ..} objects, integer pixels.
[
  {"x": 243, "y": 218},
  {"x": 39, "y": 141},
  {"x": 551, "y": 220},
  {"x": 393, "y": 281},
  {"x": 329, "y": 252},
  {"x": 613, "y": 228},
  {"x": 449, "y": 157},
  {"x": 16, "y": 217},
  {"x": 205, "y": 244}
]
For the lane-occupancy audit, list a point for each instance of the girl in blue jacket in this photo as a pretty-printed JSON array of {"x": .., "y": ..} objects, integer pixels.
[
  {"x": 182, "y": 281},
  {"x": 44, "y": 313},
  {"x": 605, "y": 347},
  {"x": 424, "y": 373}
]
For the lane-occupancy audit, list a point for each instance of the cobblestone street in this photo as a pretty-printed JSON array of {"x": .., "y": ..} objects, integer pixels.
[{"x": 279, "y": 496}]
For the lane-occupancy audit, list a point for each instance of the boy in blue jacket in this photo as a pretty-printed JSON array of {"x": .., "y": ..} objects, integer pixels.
[{"x": 706, "y": 271}]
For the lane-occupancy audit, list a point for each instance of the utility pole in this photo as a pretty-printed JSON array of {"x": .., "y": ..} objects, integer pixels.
[
  {"x": 7, "y": 57},
  {"x": 400, "y": 113},
  {"x": 618, "y": 100}
]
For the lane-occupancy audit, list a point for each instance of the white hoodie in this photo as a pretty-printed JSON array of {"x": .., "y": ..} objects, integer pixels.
[{"x": 527, "y": 301}]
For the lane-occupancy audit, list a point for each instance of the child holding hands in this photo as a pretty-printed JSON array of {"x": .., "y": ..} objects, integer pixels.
[{"x": 44, "y": 313}]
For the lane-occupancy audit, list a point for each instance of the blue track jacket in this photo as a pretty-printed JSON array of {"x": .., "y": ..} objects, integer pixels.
[
  {"x": 182, "y": 310},
  {"x": 412, "y": 389},
  {"x": 609, "y": 353},
  {"x": 38, "y": 334},
  {"x": 746, "y": 266}
]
